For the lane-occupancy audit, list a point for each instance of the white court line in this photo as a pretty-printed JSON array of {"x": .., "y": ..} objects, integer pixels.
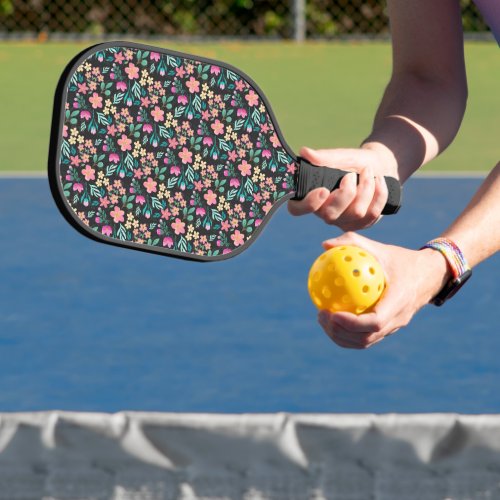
[
  {"x": 23, "y": 175},
  {"x": 454, "y": 174}
]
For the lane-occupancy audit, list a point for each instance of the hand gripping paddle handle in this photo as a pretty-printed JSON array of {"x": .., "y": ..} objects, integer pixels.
[{"x": 310, "y": 177}]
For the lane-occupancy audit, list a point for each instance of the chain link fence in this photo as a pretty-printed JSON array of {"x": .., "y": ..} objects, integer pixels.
[{"x": 287, "y": 19}]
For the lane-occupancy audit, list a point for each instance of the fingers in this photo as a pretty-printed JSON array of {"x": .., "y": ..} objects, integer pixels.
[
  {"x": 357, "y": 203},
  {"x": 355, "y": 332}
]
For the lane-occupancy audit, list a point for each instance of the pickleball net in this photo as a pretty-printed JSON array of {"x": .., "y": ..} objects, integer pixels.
[{"x": 159, "y": 456}]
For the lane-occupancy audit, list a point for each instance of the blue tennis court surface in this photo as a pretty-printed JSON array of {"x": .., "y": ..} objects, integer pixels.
[{"x": 86, "y": 326}]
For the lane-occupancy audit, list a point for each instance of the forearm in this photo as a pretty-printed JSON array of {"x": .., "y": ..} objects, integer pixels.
[
  {"x": 477, "y": 230},
  {"x": 424, "y": 103},
  {"x": 416, "y": 120}
]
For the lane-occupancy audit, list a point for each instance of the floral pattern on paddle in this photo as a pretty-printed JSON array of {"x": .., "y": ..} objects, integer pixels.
[{"x": 169, "y": 152}]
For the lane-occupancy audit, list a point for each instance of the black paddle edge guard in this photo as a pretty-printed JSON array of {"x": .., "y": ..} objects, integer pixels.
[{"x": 311, "y": 177}]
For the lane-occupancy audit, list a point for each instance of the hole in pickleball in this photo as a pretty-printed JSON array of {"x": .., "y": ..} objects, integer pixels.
[
  {"x": 330, "y": 268},
  {"x": 339, "y": 281},
  {"x": 346, "y": 299},
  {"x": 366, "y": 289},
  {"x": 317, "y": 276},
  {"x": 379, "y": 288},
  {"x": 336, "y": 306},
  {"x": 362, "y": 254},
  {"x": 356, "y": 273},
  {"x": 348, "y": 258},
  {"x": 327, "y": 293},
  {"x": 359, "y": 310},
  {"x": 372, "y": 270}
]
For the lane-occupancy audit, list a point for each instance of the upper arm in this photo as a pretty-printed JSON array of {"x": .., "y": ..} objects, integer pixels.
[{"x": 427, "y": 40}]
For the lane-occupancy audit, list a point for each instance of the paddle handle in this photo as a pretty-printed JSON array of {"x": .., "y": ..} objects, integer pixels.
[{"x": 310, "y": 177}]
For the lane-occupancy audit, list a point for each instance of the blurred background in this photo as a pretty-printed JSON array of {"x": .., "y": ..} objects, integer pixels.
[{"x": 283, "y": 19}]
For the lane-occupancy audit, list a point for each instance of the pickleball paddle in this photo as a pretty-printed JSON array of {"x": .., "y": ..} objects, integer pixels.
[{"x": 172, "y": 153}]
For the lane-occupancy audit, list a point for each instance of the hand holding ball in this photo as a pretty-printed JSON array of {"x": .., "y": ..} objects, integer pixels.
[{"x": 346, "y": 278}]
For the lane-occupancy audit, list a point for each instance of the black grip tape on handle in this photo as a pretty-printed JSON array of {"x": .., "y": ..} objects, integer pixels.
[{"x": 311, "y": 177}]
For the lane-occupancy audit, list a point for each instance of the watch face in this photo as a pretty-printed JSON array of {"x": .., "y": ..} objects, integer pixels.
[{"x": 451, "y": 288}]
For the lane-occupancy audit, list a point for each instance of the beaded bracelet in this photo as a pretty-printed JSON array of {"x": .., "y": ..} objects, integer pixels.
[{"x": 460, "y": 269}]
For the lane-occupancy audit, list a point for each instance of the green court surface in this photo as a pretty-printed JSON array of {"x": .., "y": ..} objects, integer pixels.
[{"x": 323, "y": 95}]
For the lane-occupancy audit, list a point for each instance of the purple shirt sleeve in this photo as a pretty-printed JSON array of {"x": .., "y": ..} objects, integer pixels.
[{"x": 490, "y": 9}]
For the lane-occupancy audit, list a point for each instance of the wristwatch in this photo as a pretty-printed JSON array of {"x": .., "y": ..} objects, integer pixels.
[{"x": 460, "y": 270}]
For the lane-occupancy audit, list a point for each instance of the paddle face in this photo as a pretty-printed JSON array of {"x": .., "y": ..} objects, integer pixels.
[{"x": 165, "y": 152}]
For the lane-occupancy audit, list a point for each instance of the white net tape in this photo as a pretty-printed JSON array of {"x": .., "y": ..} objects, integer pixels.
[{"x": 160, "y": 456}]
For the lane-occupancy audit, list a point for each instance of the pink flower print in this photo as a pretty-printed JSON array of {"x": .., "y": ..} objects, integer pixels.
[
  {"x": 119, "y": 57},
  {"x": 132, "y": 71},
  {"x": 207, "y": 141},
  {"x": 85, "y": 114},
  {"x": 264, "y": 128},
  {"x": 168, "y": 241},
  {"x": 186, "y": 156},
  {"x": 65, "y": 131},
  {"x": 121, "y": 86},
  {"x": 242, "y": 112},
  {"x": 180, "y": 71},
  {"x": 82, "y": 88},
  {"x": 275, "y": 141},
  {"x": 150, "y": 185},
  {"x": 140, "y": 199},
  {"x": 218, "y": 127},
  {"x": 214, "y": 70},
  {"x": 104, "y": 202},
  {"x": 234, "y": 183},
  {"x": 172, "y": 143},
  {"x": 198, "y": 185},
  {"x": 240, "y": 85},
  {"x": 193, "y": 85},
  {"x": 245, "y": 168},
  {"x": 258, "y": 222},
  {"x": 175, "y": 170},
  {"x": 114, "y": 158},
  {"x": 107, "y": 230},
  {"x": 225, "y": 225},
  {"x": 210, "y": 197},
  {"x": 157, "y": 114},
  {"x": 125, "y": 143},
  {"x": 232, "y": 156},
  {"x": 147, "y": 127},
  {"x": 96, "y": 100},
  {"x": 178, "y": 226},
  {"x": 266, "y": 153},
  {"x": 238, "y": 238},
  {"x": 117, "y": 213},
  {"x": 154, "y": 56},
  {"x": 78, "y": 187},
  {"x": 200, "y": 211},
  {"x": 75, "y": 160},
  {"x": 267, "y": 207},
  {"x": 111, "y": 130},
  {"x": 145, "y": 101},
  {"x": 290, "y": 168},
  {"x": 205, "y": 115},
  {"x": 182, "y": 99},
  {"x": 89, "y": 173},
  {"x": 257, "y": 197},
  {"x": 166, "y": 213},
  {"x": 252, "y": 98}
]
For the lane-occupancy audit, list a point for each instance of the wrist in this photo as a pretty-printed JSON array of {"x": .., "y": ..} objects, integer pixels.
[
  {"x": 386, "y": 157},
  {"x": 437, "y": 273}
]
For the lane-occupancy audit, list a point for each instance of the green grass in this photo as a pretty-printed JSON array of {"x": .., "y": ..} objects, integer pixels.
[{"x": 323, "y": 95}]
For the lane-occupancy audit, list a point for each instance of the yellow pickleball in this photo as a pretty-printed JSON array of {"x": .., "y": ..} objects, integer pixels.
[{"x": 346, "y": 278}]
